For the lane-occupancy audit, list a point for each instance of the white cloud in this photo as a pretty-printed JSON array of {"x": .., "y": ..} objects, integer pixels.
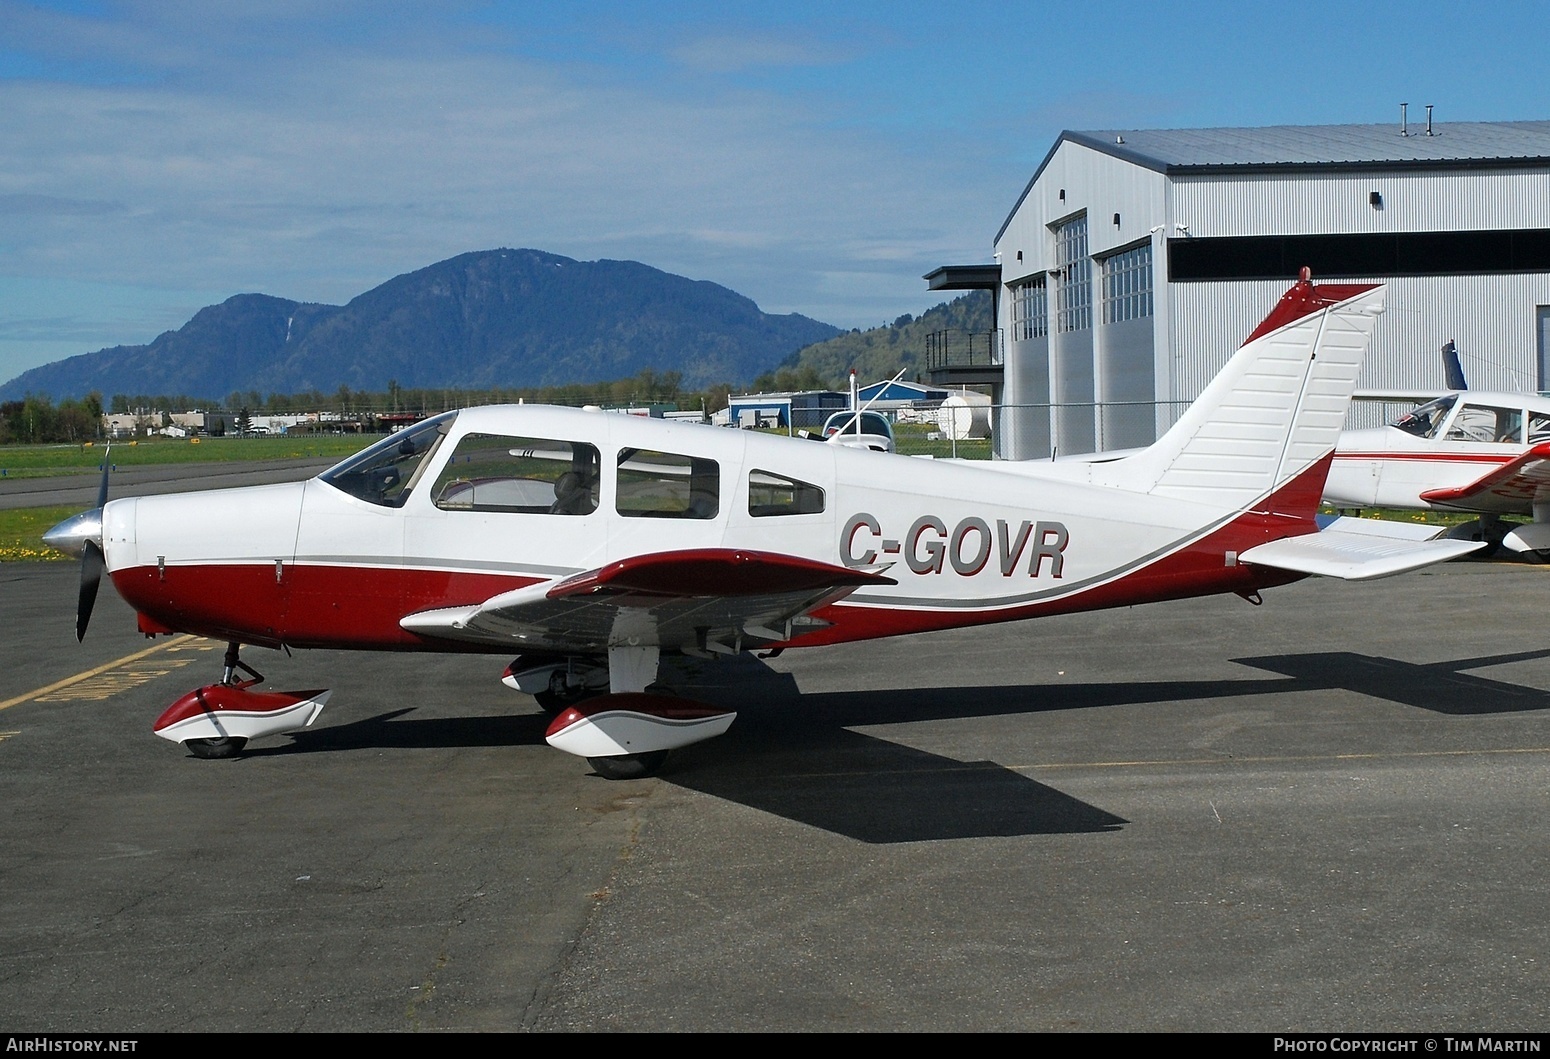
[
  {"x": 729, "y": 53},
  {"x": 313, "y": 171}
]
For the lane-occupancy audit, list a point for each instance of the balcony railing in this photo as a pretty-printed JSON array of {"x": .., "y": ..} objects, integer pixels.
[{"x": 958, "y": 350}]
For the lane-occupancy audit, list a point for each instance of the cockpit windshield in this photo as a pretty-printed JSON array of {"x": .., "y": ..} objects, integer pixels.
[
  {"x": 386, "y": 472},
  {"x": 1424, "y": 421}
]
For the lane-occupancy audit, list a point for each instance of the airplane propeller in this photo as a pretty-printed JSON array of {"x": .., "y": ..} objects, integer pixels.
[{"x": 82, "y": 535}]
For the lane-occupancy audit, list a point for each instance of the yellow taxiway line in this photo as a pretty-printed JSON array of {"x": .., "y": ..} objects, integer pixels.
[{"x": 36, "y": 693}]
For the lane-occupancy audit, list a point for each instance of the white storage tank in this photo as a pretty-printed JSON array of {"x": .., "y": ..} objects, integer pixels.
[{"x": 964, "y": 415}]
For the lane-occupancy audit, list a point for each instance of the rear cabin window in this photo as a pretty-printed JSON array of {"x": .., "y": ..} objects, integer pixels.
[
  {"x": 534, "y": 476},
  {"x": 667, "y": 485},
  {"x": 775, "y": 494},
  {"x": 1538, "y": 427}
]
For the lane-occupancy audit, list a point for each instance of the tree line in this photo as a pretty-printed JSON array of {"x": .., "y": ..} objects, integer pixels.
[{"x": 38, "y": 419}]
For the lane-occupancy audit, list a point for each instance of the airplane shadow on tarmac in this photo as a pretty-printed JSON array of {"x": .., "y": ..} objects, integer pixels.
[
  {"x": 795, "y": 755},
  {"x": 1442, "y": 687}
]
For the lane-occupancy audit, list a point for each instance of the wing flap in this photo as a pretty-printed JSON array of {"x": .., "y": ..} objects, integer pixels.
[
  {"x": 1360, "y": 549},
  {"x": 696, "y": 600}
]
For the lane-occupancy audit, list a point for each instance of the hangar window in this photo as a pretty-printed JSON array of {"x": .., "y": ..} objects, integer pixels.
[
  {"x": 1030, "y": 309},
  {"x": 775, "y": 494},
  {"x": 1127, "y": 285},
  {"x": 1356, "y": 255},
  {"x": 667, "y": 485},
  {"x": 1074, "y": 270},
  {"x": 534, "y": 476}
]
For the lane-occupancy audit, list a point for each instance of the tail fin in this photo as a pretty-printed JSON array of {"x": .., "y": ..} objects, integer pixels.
[
  {"x": 1272, "y": 413},
  {"x": 1452, "y": 370}
]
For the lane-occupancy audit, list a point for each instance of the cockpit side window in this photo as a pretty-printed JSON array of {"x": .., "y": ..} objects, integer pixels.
[
  {"x": 535, "y": 476},
  {"x": 386, "y": 473},
  {"x": 667, "y": 485},
  {"x": 774, "y": 494},
  {"x": 1424, "y": 421},
  {"x": 1478, "y": 422}
]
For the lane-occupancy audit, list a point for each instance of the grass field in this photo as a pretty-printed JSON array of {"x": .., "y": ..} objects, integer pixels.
[
  {"x": 913, "y": 439},
  {"x": 41, "y": 461},
  {"x": 21, "y": 533}
]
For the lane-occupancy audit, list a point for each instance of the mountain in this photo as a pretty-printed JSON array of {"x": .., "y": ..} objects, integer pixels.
[
  {"x": 880, "y": 352},
  {"x": 508, "y": 318}
]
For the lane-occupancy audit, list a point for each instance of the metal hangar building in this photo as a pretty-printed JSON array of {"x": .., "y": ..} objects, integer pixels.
[{"x": 1136, "y": 261}]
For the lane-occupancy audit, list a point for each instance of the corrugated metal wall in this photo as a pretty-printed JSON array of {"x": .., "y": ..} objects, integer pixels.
[
  {"x": 1321, "y": 203},
  {"x": 1491, "y": 318}
]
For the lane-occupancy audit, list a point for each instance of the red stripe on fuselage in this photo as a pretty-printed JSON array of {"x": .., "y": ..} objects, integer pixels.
[
  {"x": 348, "y": 607},
  {"x": 1197, "y": 569},
  {"x": 1494, "y": 459}
]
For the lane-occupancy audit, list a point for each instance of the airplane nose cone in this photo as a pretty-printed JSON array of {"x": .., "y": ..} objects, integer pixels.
[{"x": 71, "y": 535}]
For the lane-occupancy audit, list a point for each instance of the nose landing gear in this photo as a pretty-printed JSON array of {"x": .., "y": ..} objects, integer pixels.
[{"x": 217, "y": 720}]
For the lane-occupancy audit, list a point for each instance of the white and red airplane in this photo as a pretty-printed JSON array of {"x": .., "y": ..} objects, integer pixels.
[
  {"x": 1462, "y": 450},
  {"x": 592, "y": 544}
]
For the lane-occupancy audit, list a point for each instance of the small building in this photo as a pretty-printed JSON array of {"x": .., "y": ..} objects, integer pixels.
[
  {"x": 800, "y": 410},
  {"x": 116, "y": 425},
  {"x": 897, "y": 395}
]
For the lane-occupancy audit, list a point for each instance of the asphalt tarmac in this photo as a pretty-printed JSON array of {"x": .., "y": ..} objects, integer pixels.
[
  {"x": 80, "y": 490},
  {"x": 1330, "y": 813}
]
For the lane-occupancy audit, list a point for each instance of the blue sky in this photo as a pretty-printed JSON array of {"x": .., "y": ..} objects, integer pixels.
[{"x": 159, "y": 157}]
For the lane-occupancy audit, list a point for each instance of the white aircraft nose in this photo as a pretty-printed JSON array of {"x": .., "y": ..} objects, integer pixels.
[{"x": 71, "y": 535}]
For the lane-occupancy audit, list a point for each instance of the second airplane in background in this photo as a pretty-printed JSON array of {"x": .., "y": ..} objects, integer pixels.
[{"x": 1473, "y": 451}]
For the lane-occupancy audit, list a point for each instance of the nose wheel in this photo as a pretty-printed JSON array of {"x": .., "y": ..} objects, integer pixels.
[
  {"x": 215, "y": 749},
  {"x": 628, "y": 766}
]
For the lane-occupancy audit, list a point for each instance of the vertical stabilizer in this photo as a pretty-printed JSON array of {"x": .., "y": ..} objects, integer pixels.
[
  {"x": 1272, "y": 413},
  {"x": 1452, "y": 370}
]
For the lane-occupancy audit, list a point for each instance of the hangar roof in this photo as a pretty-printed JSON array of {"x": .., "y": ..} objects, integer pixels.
[
  {"x": 1293, "y": 148},
  {"x": 1458, "y": 142}
]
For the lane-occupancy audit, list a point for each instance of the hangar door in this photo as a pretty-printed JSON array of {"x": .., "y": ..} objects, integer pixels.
[{"x": 1543, "y": 331}]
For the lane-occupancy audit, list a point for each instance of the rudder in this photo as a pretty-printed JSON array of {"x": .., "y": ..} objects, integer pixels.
[{"x": 1272, "y": 413}]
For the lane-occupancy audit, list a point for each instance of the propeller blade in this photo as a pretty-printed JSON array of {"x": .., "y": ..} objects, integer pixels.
[
  {"x": 102, "y": 490},
  {"x": 91, "y": 576}
]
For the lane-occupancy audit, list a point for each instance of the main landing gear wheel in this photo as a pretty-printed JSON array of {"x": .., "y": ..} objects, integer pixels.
[
  {"x": 215, "y": 749},
  {"x": 1480, "y": 530},
  {"x": 628, "y": 766}
]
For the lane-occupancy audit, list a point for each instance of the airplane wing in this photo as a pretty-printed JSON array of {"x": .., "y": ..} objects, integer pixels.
[
  {"x": 705, "y": 600},
  {"x": 1507, "y": 489},
  {"x": 1360, "y": 549}
]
